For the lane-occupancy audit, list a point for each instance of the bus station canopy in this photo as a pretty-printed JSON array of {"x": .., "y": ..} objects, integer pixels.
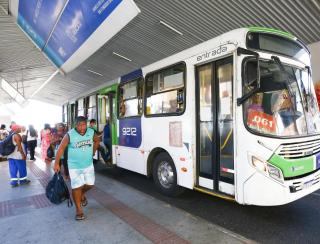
[{"x": 160, "y": 30}]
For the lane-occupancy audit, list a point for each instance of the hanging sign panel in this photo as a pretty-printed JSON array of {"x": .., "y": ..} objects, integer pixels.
[
  {"x": 38, "y": 17},
  {"x": 69, "y": 32}
]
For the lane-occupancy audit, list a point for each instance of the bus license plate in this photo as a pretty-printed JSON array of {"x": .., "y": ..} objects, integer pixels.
[{"x": 307, "y": 184}]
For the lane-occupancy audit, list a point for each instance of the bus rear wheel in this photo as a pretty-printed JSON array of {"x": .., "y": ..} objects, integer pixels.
[{"x": 165, "y": 175}]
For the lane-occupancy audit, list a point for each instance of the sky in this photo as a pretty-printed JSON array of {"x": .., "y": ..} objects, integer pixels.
[{"x": 36, "y": 113}]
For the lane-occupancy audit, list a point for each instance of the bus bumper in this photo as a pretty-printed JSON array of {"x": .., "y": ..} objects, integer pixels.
[{"x": 261, "y": 190}]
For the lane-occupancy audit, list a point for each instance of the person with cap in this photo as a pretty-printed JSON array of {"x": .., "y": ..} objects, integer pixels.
[
  {"x": 17, "y": 159},
  {"x": 82, "y": 143},
  {"x": 3, "y": 132}
]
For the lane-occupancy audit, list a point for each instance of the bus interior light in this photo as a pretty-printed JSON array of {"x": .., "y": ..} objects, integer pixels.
[{"x": 259, "y": 164}]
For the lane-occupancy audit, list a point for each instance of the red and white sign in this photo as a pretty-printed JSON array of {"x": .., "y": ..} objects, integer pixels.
[{"x": 261, "y": 121}]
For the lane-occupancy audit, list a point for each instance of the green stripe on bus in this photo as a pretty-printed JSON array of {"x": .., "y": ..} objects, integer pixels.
[
  {"x": 293, "y": 167},
  {"x": 270, "y": 30},
  {"x": 114, "y": 128},
  {"x": 112, "y": 88}
]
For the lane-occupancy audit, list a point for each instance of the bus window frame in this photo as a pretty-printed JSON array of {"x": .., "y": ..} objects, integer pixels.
[
  {"x": 174, "y": 89},
  {"x": 83, "y": 106},
  {"x": 142, "y": 97},
  {"x": 87, "y": 101}
]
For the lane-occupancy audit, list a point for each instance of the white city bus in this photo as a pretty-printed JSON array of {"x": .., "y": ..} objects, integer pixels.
[{"x": 234, "y": 117}]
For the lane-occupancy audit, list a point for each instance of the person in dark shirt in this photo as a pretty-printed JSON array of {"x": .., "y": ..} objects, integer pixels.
[
  {"x": 104, "y": 152},
  {"x": 107, "y": 140}
]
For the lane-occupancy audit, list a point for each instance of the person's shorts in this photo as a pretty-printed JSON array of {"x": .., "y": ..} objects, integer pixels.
[{"x": 80, "y": 177}]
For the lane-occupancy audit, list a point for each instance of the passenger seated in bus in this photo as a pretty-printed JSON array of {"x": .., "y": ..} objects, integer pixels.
[
  {"x": 122, "y": 108},
  {"x": 257, "y": 118},
  {"x": 256, "y": 103},
  {"x": 173, "y": 106}
]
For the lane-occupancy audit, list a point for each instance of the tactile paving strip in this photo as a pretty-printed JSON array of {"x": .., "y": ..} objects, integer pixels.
[
  {"x": 5, "y": 209},
  {"x": 148, "y": 228},
  {"x": 40, "y": 201},
  {"x": 11, "y": 207}
]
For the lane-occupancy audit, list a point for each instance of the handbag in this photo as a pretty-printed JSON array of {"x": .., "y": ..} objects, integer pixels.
[{"x": 50, "y": 152}]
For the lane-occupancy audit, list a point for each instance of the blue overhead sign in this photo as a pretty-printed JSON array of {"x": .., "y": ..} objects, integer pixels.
[
  {"x": 38, "y": 17},
  {"x": 69, "y": 32},
  {"x": 78, "y": 21}
]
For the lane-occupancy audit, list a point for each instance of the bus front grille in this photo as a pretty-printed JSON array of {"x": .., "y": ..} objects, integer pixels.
[
  {"x": 299, "y": 185},
  {"x": 299, "y": 150}
]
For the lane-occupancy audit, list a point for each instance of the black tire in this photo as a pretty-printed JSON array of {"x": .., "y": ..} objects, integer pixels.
[{"x": 165, "y": 175}]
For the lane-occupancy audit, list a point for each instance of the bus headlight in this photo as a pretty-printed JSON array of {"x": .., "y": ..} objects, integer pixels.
[
  {"x": 259, "y": 164},
  {"x": 268, "y": 169},
  {"x": 275, "y": 173}
]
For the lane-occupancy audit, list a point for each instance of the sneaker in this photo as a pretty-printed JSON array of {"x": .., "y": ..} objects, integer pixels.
[{"x": 25, "y": 182}]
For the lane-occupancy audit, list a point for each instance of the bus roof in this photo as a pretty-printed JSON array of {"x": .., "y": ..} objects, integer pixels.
[{"x": 272, "y": 31}]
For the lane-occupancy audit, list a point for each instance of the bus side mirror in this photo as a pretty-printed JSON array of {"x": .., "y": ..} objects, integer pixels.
[{"x": 243, "y": 51}]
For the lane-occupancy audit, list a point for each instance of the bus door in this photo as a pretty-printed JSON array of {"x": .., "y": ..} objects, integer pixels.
[
  {"x": 130, "y": 153},
  {"x": 107, "y": 109},
  {"x": 215, "y": 154}
]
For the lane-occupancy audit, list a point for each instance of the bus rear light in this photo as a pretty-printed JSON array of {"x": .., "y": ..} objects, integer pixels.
[
  {"x": 183, "y": 159},
  {"x": 184, "y": 169},
  {"x": 227, "y": 170}
]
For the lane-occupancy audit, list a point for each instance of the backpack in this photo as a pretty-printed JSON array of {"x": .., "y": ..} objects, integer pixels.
[
  {"x": 50, "y": 152},
  {"x": 57, "y": 190},
  {"x": 6, "y": 146}
]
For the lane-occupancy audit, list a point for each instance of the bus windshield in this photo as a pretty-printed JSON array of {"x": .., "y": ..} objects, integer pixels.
[{"x": 285, "y": 105}]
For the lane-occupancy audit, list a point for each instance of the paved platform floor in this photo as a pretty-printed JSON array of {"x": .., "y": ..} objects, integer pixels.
[{"x": 116, "y": 213}]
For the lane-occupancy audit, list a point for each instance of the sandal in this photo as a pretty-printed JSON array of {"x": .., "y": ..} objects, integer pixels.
[
  {"x": 80, "y": 216},
  {"x": 84, "y": 202}
]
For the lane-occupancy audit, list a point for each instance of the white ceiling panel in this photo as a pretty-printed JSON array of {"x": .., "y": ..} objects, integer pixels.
[{"x": 145, "y": 41}]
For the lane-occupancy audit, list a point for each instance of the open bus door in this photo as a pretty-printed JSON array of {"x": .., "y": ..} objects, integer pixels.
[
  {"x": 215, "y": 149},
  {"x": 107, "y": 113}
]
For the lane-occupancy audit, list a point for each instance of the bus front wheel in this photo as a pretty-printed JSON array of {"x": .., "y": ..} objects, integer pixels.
[{"x": 165, "y": 175}]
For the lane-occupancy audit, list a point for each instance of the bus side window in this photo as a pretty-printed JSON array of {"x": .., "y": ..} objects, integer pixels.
[
  {"x": 130, "y": 99},
  {"x": 165, "y": 91}
]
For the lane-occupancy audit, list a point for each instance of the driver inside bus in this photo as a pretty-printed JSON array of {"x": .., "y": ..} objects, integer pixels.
[{"x": 283, "y": 110}]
